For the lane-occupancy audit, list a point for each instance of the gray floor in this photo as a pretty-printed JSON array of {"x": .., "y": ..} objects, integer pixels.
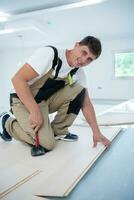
[{"x": 112, "y": 176}]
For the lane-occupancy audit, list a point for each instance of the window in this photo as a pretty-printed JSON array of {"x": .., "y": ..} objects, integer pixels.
[{"x": 124, "y": 64}]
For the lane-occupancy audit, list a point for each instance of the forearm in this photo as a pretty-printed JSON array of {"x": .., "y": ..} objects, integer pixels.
[
  {"x": 89, "y": 114},
  {"x": 23, "y": 91}
]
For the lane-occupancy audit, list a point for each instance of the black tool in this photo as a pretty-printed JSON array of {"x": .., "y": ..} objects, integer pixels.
[{"x": 37, "y": 150}]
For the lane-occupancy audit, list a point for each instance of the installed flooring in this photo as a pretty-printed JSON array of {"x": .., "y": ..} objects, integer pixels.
[{"x": 112, "y": 176}]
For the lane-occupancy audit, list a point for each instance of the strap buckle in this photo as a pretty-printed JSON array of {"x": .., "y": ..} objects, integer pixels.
[{"x": 70, "y": 79}]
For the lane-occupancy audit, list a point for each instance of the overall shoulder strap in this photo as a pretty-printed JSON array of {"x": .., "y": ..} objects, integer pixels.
[
  {"x": 56, "y": 61},
  {"x": 73, "y": 71}
]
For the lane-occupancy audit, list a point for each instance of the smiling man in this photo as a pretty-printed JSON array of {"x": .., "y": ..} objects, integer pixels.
[{"x": 52, "y": 80}]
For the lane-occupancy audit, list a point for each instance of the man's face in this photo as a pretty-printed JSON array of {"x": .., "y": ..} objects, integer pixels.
[{"x": 81, "y": 56}]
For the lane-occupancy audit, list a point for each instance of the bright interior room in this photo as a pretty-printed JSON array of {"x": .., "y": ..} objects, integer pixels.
[{"x": 89, "y": 111}]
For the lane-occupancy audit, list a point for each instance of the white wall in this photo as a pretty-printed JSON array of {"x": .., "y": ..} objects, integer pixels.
[
  {"x": 10, "y": 59},
  {"x": 101, "y": 79},
  {"x": 101, "y": 83}
]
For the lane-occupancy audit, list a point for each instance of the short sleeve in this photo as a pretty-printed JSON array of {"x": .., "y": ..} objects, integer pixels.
[
  {"x": 41, "y": 60},
  {"x": 82, "y": 78}
]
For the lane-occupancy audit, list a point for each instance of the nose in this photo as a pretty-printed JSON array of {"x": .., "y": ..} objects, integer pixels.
[{"x": 84, "y": 60}]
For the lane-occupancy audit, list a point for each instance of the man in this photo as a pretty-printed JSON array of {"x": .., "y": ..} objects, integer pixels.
[{"x": 51, "y": 81}]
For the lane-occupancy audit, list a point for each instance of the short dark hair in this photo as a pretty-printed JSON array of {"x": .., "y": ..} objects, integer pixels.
[{"x": 93, "y": 44}]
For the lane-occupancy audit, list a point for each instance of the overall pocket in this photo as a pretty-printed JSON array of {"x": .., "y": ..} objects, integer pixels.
[{"x": 48, "y": 89}]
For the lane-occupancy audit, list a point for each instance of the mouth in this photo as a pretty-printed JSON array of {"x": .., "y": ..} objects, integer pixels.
[{"x": 78, "y": 64}]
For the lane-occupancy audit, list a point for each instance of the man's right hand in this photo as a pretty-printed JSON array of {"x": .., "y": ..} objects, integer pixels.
[{"x": 36, "y": 120}]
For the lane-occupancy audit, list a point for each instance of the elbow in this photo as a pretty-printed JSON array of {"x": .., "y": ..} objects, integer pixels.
[
  {"x": 16, "y": 78},
  {"x": 13, "y": 80}
]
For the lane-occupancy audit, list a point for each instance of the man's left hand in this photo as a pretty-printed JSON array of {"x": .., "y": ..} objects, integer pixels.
[{"x": 102, "y": 139}]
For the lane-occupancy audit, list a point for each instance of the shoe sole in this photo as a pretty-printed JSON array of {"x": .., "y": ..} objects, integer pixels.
[
  {"x": 1, "y": 135},
  {"x": 68, "y": 140},
  {"x": 2, "y": 114},
  {"x": 5, "y": 138},
  {"x": 65, "y": 139}
]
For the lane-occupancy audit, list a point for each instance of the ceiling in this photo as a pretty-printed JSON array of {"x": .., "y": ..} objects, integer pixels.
[
  {"x": 25, "y": 6},
  {"x": 65, "y": 21}
]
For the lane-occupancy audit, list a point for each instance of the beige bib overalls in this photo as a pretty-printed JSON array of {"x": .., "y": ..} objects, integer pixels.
[{"x": 52, "y": 95}]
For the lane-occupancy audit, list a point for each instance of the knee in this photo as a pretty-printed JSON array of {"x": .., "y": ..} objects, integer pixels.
[
  {"x": 49, "y": 145},
  {"x": 76, "y": 104}
]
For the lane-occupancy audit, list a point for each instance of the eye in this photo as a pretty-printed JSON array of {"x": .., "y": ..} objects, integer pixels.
[
  {"x": 84, "y": 53},
  {"x": 90, "y": 59}
]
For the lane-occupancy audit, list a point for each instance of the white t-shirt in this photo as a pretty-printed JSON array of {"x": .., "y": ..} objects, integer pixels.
[{"x": 41, "y": 61}]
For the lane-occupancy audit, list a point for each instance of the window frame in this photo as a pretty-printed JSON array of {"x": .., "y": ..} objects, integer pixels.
[{"x": 114, "y": 62}]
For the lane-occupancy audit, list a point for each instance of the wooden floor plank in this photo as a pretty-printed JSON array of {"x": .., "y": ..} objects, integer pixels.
[
  {"x": 82, "y": 156},
  {"x": 61, "y": 168},
  {"x": 13, "y": 177},
  {"x": 115, "y": 118},
  {"x": 120, "y": 114}
]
